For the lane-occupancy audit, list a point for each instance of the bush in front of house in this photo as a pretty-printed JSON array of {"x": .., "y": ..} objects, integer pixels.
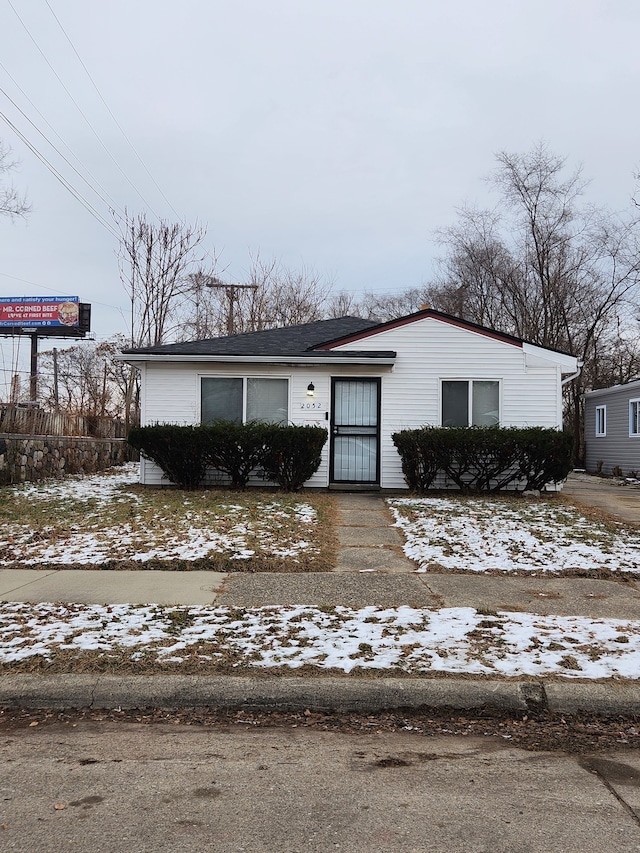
[
  {"x": 180, "y": 451},
  {"x": 293, "y": 455},
  {"x": 544, "y": 456},
  {"x": 286, "y": 455},
  {"x": 478, "y": 459},
  {"x": 237, "y": 449}
]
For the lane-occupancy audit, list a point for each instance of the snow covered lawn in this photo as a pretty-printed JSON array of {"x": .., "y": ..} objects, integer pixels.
[
  {"x": 512, "y": 535},
  {"x": 63, "y": 638},
  {"x": 108, "y": 520}
]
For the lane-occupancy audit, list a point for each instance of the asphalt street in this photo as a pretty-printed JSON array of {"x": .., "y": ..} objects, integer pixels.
[{"x": 108, "y": 787}]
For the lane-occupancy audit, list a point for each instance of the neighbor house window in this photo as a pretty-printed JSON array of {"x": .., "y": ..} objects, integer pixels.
[
  {"x": 634, "y": 417},
  {"x": 242, "y": 399},
  {"x": 473, "y": 402},
  {"x": 601, "y": 420}
]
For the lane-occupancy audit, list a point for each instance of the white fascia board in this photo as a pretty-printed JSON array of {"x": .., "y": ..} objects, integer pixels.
[
  {"x": 568, "y": 363},
  {"x": 253, "y": 359}
]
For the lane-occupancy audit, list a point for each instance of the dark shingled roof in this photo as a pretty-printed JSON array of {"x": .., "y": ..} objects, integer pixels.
[{"x": 290, "y": 340}]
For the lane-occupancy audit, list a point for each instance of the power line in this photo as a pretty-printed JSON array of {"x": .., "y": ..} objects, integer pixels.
[
  {"x": 66, "y": 160},
  {"x": 54, "y": 131},
  {"x": 59, "y": 79},
  {"x": 65, "y": 183},
  {"x": 117, "y": 123}
]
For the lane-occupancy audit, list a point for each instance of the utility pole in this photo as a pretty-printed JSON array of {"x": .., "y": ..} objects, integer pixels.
[
  {"x": 56, "y": 398},
  {"x": 230, "y": 293},
  {"x": 33, "y": 378},
  {"x": 104, "y": 390}
]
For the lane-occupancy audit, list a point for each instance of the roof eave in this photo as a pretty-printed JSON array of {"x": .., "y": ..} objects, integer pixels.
[
  {"x": 568, "y": 363},
  {"x": 316, "y": 358}
]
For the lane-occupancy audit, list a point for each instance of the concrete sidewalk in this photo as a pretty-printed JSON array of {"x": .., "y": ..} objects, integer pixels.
[{"x": 371, "y": 570}]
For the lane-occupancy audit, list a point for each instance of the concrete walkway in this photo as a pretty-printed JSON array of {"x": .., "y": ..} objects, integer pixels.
[
  {"x": 367, "y": 540},
  {"x": 371, "y": 569}
]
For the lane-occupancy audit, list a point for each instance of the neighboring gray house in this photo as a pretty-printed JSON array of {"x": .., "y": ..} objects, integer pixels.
[
  {"x": 362, "y": 381},
  {"x": 612, "y": 429}
]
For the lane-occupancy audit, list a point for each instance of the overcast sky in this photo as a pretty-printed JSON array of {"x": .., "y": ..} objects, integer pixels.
[{"x": 338, "y": 134}]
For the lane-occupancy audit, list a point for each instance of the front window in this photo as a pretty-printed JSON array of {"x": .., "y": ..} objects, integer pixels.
[
  {"x": 473, "y": 402},
  {"x": 634, "y": 417},
  {"x": 244, "y": 399},
  {"x": 601, "y": 420}
]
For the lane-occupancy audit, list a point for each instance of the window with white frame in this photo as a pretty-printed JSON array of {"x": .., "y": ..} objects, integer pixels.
[
  {"x": 601, "y": 420},
  {"x": 634, "y": 417},
  {"x": 240, "y": 399},
  {"x": 470, "y": 402}
]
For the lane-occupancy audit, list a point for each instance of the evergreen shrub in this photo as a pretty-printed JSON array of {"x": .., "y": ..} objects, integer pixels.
[
  {"x": 238, "y": 449},
  {"x": 287, "y": 455},
  {"x": 479, "y": 459},
  {"x": 180, "y": 451},
  {"x": 293, "y": 455}
]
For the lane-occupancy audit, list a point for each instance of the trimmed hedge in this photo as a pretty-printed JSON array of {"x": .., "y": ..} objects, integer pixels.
[
  {"x": 181, "y": 451},
  {"x": 237, "y": 449},
  {"x": 287, "y": 455},
  {"x": 479, "y": 459},
  {"x": 293, "y": 455}
]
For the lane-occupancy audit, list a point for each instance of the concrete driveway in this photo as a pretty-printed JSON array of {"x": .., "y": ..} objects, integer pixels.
[{"x": 611, "y": 495}]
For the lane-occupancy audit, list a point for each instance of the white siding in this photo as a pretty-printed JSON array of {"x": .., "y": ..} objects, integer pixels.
[
  {"x": 171, "y": 394},
  {"x": 428, "y": 350}
]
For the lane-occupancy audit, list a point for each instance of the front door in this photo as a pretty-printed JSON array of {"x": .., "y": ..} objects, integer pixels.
[{"x": 355, "y": 431}]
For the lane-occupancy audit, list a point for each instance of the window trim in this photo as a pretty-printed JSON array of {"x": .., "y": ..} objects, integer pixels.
[
  {"x": 601, "y": 421},
  {"x": 470, "y": 394},
  {"x": 634, "y": 420},
  {"x": 244, "y": 377}
]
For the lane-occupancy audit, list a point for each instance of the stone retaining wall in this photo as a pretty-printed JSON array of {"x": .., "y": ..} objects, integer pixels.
[{"x": 25, "y": 458}]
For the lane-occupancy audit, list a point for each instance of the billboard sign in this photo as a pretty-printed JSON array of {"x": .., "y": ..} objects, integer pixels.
[{"x": 40, "y": 312}]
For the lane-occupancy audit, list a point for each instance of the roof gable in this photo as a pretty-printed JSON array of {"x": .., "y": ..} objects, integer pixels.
[
  {"x": 427, "y": 313},
  {"x": 323, "y": 340}
]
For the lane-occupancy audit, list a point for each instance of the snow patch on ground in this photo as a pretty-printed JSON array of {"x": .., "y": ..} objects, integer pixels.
[
  {"x": 102, "y": 488},
  {"x": 196, "y": 533},
  {"x": 411, "y": 640},
  {"x": 480, "y": 535}
]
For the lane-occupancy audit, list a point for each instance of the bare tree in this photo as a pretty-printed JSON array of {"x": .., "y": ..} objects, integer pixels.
[
  {"x": 84, "y": 379},
  {"x": 270, "y": 296},
  {"x": 12, "y": 203},
  {"x": 387, "y": 306},
  {"x": 154, "y": 261},
  {"x": 543, "y": 265},
  {"x": 344, "y": 304}
]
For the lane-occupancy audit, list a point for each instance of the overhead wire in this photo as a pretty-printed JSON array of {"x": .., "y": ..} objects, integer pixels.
[
  {"x": 109, "y": 202},
  {"x": 106, "y": 105},
  {"x": 59, "y": 177},
  {"x": 79, "y": 108},
  {"x": 56, "y": 134}
]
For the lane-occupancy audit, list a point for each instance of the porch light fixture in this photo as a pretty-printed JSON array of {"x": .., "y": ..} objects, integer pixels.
[{"x": 310, "y": 389}]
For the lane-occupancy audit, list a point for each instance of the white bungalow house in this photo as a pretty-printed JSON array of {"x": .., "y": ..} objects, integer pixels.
[{"x": 363, "y": 381}]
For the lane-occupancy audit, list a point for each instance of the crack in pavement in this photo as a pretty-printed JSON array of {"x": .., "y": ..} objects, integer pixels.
[{"x": 592, "y": 766}]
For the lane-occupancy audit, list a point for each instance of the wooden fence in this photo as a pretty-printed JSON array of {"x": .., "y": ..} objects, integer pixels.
[{"x": 17, "y": 420}]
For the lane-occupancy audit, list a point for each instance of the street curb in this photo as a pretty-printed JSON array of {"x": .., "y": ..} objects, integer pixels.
[{"x": 349, "y": 694}]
